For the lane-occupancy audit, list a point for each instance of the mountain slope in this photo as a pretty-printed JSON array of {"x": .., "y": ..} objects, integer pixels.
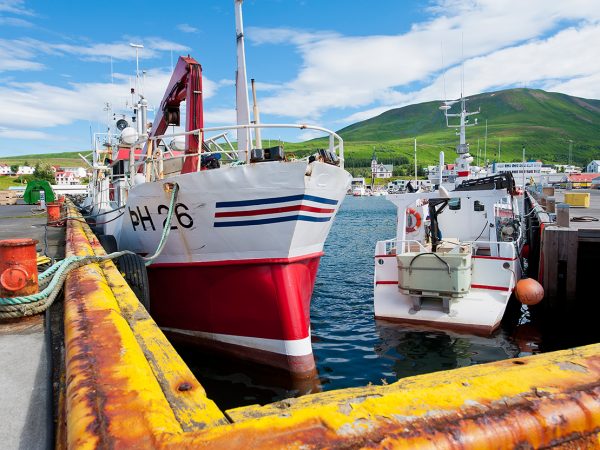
[{"x": 544, "y": 122}]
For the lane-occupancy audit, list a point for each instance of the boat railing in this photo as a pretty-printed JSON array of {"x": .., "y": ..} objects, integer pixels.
[
  {"x": 220, "y": 144},
  {"x": 496, "y": 249}
]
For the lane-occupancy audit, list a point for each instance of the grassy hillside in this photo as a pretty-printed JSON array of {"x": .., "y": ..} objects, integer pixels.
[
  {"x": 543, "y": 122},
  {"x": 66, "y": 159}
]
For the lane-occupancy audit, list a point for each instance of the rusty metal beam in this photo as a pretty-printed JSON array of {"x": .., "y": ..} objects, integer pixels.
[
  {"x": 122, "y": 392},
  {"x": 123, "y": 378}
]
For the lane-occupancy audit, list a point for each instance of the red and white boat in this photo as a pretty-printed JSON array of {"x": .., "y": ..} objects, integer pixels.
[
  {"x": 454, "y": 261},
  {"x": 239, "y": 265}
]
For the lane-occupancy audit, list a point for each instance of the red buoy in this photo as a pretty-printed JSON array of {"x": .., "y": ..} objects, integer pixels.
[{"x": 529, "y": 291}]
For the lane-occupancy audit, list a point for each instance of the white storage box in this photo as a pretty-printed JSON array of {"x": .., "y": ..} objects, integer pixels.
[{"x": 426, "y": 273}]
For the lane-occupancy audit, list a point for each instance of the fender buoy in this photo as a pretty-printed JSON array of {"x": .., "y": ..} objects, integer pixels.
[
  {"x": 529, "y": 291},
  {"x": 413, "y": 220}
]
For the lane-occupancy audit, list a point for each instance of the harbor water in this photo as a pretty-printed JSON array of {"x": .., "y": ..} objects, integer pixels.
[{"x": 351, "y": 348}]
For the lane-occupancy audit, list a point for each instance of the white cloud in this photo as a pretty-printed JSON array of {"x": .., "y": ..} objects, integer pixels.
[
  {"x": 15, "y": 7},
  {"x": 41, "y": 106},
  {"x": 342, "y": 72},
  {"x": 15, "y": 22},
  {"x": 21, "y": 54},
  {"x": 186, "y": 28},
  {"x": 6, "y": 133}
]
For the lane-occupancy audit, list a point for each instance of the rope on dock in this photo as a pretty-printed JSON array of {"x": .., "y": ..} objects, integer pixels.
[
  {"x": 584, "y": 219},
  {"x": 52, "y": 279}
]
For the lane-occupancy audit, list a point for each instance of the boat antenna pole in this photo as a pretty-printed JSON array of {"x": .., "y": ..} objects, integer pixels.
[
  {"x": 257, "y": 137},
  {"x": 242, "y": 103}
]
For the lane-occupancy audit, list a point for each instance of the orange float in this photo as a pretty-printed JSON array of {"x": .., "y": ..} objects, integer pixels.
[{"x": 529, "y": 292}]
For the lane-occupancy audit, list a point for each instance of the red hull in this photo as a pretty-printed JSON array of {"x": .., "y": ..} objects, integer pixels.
[{"x": 266, "y": 299}]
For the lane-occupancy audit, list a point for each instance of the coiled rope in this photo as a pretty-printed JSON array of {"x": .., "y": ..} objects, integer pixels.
[{"x": 52, "y": 279}]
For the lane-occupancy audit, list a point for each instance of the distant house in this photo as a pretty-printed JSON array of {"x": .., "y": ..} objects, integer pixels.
[
  {"x": 69, "y": 175},
  {"x": 593, "y": 167},
  {"x": 5, "y": 169},
  {"x": 582, "y": 180},
  {"x": 25, "y": 170},
  {"x": 379, "y": 170}
]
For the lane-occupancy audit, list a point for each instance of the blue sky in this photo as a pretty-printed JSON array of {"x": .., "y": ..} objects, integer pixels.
[{"x": 322, "y": 62}]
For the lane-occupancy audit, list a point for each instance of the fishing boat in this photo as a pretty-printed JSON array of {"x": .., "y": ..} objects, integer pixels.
[
  {"x": 238, "y": 267},
  {"x": 454, "y": 261}
]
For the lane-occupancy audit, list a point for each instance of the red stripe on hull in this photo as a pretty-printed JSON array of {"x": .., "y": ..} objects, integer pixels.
[
  {"x": 265, "y": 300},
  {"x": 491, "y": 288}
]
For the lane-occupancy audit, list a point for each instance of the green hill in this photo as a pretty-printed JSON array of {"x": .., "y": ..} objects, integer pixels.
[
  {"x": 544, "y": 122},
  {"x": 66, "y": 159}
]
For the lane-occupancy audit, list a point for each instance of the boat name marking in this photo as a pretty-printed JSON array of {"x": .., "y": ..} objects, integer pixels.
[{"x": 142, "y": 217}]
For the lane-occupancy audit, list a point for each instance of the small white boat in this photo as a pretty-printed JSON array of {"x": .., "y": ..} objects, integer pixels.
[
  {"x": 358, "y": 187},
  {"x": 454, "y": 261}
]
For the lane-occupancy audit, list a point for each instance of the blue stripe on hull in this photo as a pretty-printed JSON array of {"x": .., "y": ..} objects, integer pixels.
[
  {"x": 266, "y": 201},
  {"x": 245, "y": 223}
]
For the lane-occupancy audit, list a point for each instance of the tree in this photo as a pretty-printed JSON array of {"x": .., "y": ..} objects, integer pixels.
[
  {"x": 14, "y": 168},
  {"x": 43, "y": 171}
]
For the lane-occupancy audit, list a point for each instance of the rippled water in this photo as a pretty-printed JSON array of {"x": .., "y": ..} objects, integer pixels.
[{"x": 350, "y": 347}]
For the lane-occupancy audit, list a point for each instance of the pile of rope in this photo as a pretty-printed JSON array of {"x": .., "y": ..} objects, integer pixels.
[{"x": 52, "y": 279}]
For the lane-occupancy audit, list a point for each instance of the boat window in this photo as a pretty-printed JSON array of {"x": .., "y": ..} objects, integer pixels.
[
  {"x": 454, "y": 204},
  {"x": 478, "y": 206}
]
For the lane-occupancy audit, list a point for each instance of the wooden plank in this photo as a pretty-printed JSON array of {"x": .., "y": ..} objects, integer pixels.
[
  {"x": 567, "y": 251},
  {"x": 550, "y": 249}
]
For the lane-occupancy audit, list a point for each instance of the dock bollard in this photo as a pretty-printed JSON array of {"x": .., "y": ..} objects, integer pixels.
[
  {"x": 551, "y": 204},
  {"x": 562, "y": 215},
  {"x": 18, "y": 267},
  {"x": 54, "y": 213},
  {"x": 548, "y": 191}
]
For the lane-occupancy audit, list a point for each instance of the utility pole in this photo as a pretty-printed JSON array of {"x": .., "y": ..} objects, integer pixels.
[
  {"x": 499, "y": 149},
  {"x": 478, "y": 152},
  {"x": 523, "y": 185},
  {"x": 485, "y": 146},
  {"x": 570, "y": 151},
  {"x": 415, "y": 162}
]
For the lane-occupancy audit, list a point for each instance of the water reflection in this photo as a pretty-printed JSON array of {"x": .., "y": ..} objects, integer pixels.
[
  {"x": 231, "y": 383},
  {"x": 418, "y": 350}
]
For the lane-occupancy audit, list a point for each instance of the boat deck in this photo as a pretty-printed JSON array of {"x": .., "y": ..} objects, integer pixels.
[{"x": 25, "y": 380}]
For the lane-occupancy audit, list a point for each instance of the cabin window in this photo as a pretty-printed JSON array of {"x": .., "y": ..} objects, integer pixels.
[
  {"x": 454, "y": 204},
  {"x": 478, "y": 206}
]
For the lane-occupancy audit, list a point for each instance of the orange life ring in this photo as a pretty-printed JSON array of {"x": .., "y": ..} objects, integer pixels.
[{"x": 415, "y": 222}]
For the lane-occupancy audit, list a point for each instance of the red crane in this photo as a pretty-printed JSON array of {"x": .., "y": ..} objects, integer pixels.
[{"x": 185, "y": 84}]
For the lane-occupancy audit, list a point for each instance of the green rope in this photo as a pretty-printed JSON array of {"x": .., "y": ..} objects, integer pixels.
[
  {"x": 52, "y": 279},
  {"x": 167, "y": 229}
]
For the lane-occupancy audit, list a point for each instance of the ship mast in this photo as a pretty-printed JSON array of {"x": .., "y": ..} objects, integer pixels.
[
  {"x": 462, "y": 149},
  {"x": 242, "y": 103}
]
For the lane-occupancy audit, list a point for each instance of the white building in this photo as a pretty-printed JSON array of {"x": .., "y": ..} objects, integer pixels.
[
  {"x": 25, "y": 170},
  {"x": 518, "y": 168},
  {"x": 593, "y": 167},
  {"x": 5, "y": 169},
  {"x": 379, "y": 170}
]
